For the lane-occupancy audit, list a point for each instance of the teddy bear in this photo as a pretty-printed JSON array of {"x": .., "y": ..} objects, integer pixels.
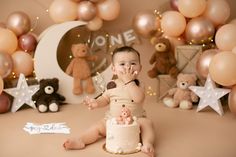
[
  {"x": 125, "y": 116},
  {"x": 182, "y": 96},
  {"x": 163, "y": 59},
  {"x": 47, "y": 98},
  {"x": 79, "y": 68}
]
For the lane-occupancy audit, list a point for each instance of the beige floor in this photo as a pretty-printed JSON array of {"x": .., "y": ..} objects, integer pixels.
[{"x": 179, "y": 133}]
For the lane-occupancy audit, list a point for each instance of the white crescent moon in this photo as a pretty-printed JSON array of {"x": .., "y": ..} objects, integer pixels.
[{"x": 46, "y": 64}]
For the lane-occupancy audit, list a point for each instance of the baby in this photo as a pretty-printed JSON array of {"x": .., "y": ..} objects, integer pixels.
[{"x": 126, "y": 89}]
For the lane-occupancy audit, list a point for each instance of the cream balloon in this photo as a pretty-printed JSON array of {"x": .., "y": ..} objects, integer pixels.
[
  {"x": 191, "y": 8},
  {"x": 225, "y": 37},
  {"x": 23, "y": 63},
  {"x": 95, "y": 24},
  {"x": 46, "y": 64},
  {"x": 222, "y": 68},
  {"x": 173, "y": 23},
  {"x": 218, "y": 11},
  {"x": 63, "y": 10},
  {"x": 8, "y": 41},
  {"x": 108, "y": 9}
]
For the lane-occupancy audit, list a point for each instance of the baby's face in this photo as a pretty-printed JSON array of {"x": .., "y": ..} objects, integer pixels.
[{"x": 126, "y": 60}]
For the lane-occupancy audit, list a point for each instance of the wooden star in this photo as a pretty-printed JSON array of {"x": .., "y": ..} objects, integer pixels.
[
  {"x": 22, "y": 94},
  {"x": 210, "y": 95}
]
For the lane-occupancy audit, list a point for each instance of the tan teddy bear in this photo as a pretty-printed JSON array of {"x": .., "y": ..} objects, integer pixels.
[
  {"x": 182, "y": 96},
  {"x": 79, "y": 68},
  {"x": 163, "y": 59}
]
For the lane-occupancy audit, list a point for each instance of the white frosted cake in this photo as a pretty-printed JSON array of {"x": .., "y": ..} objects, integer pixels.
[{"x": 122, "y": 138}]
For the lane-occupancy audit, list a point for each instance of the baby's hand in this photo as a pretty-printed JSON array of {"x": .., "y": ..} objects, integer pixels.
[
  {"x": 90, "y": 102},
  {"x": 128, "y": 74}
]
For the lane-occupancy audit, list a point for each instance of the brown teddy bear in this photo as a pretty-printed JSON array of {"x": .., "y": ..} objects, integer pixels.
[
  {"x": 182, "y": 96},
  {"x": 79, "y": 68},
  {"x": 164, "y": 59}
]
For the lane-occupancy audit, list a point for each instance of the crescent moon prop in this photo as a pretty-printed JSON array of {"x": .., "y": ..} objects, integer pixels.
[{"x": 46, "y": 64}]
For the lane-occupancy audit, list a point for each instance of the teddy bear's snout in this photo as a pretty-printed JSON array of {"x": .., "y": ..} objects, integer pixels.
[{"x": 49, "y": 90}]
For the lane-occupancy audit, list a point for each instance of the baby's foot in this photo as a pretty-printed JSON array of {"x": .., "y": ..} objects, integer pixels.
[
  {"x": 74, "y": 144},
  {"x": 148, "y": 149}
]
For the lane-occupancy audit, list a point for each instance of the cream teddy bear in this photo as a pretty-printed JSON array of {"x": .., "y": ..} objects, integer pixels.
[{"x": 182, "y": 96}]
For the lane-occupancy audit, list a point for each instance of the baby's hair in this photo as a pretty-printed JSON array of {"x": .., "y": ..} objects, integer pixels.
[{"x": 125, "y": 49}]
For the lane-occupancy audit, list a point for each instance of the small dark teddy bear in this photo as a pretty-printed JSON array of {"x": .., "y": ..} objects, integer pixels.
[
  {"x": 79, "y": 68},
  {"x": 164, "y": 59},
  {"x": 46, "y": 97}
]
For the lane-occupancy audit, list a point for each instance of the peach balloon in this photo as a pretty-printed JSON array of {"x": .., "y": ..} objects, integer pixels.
[
  {"x": 222, "y": 68},
  {"x": 232, "y": 100},
  {"x": 218, "y": 11},
  {"x": 108, "y": 9},
  {"x": 23, "y": 63},
  {"x": 203, "y": 62},
  {"x": 191, "y": 8},
  {"x": 8, "y": 41},
  {"x": 63, "y": 10},
  {"x": 1, "y": 85},
  {"x": 234, "y": 50},
  {"x": 233, "y": 22},
  {"x": 225, "y": 38},
  {"x": 95, "y": 24},
  {"x": 173, "y": 23}
]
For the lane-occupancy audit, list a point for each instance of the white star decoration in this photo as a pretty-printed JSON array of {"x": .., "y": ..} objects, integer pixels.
[
  {"x": 22, "y": 94},
  {"x": 210, "y": 95}
]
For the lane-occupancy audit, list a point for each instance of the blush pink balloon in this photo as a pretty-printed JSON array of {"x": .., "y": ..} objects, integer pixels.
[
  {"x": 222, "y": 68},
  {"x": 174, "y": 4},
  {"x": 191, "y": 8},
  {"x": 27, "y": 42},
  {"x": 6, "y": 64},
  {"x": 225, "y": 38},
  {"x": 8, "y": 41},
  {"x": 5, "y": 103},
  {"x": 1, "y": 85},
  {"x": 218, "y": 11},
  {"x": 108, "y": 9},
  {"x": 23, "y": 63},
  {"x": 199, "y": 30},
  {"x": 95, "y": 24},
  {"x": 173, "y": 23},
  {"x": 86, "y": 10},
  {"x": 232, "y": 100},
  {"x": 203, "y": 62}
]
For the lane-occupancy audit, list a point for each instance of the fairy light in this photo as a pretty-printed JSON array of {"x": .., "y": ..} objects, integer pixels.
[
  {"x": 150, "y": 91},
  {"x": 35, "y": 24}
]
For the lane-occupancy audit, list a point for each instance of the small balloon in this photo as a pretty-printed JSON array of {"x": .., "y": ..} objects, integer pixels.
[
  {"x": 232, "y": 100},
  {"x": 8, "y": 41},
  {"x": 6, "y": 64},
  {"x": 217, "y": 11},
  {"x": 145, "y": 23},
  {"x": 23, "y": 63},
  {"x": 5, "y": 103},
  {"x": 27, "y": 42},
  {"x": 86, "y": 11},
  {"x": 222, "y": 68},
  {"x": 191, "y": 8},
  {"x": 108, "y": 9},
  {"x": 203, "y": 62},
  {"x": 199, "y": 30},
  {"x": 174, "y": 5},
  {"x": 95, "y": 24},
  {"x": 1, "y": 84},
  {"x": 63, "y": 10},
  {"x": 18, "y": 22},
  {"x": 225, "y": 37}
]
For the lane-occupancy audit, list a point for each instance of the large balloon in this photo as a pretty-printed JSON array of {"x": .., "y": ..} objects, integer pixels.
[
  {"x": 191, "y": 8},
  {"x": 86, "y": 11},
  {"x": 203, "y": 62},
  {"x": 174, "y": 4},
  {"x": 18, "y": 22},
  {"x": 218, "y": 11},
  {"x": 8, "y": 41},
  {"x": 23, "y": 63},
  {"x": 63, "y": 10},
  {"x": 27, "y": 42},
  {"x": 199, "y": 30},
  {"x": 1, "y": 84},
  {"x": 145, "y": 23},
  {"x": 108, "y": 9},
  {"x": 225, "y": 38},
  {"x": 173, "y": 23},
  {"x": 222, "y": 68},
  {"x": 232, "y": 100},
  {"x": 5, "y": 103},
  {"x": 95, "y": 24},
  {"x": 6, "y": 64}
]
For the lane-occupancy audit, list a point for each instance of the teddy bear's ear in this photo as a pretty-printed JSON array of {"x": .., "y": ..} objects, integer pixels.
[
  {"x": 41, "y": 81},
  {"x": 55, "y": 80},
  {"x": 180, "y": 75}
]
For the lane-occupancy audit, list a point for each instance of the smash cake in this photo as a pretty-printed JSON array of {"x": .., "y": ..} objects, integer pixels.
[{"x": 123, "y": 134}]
